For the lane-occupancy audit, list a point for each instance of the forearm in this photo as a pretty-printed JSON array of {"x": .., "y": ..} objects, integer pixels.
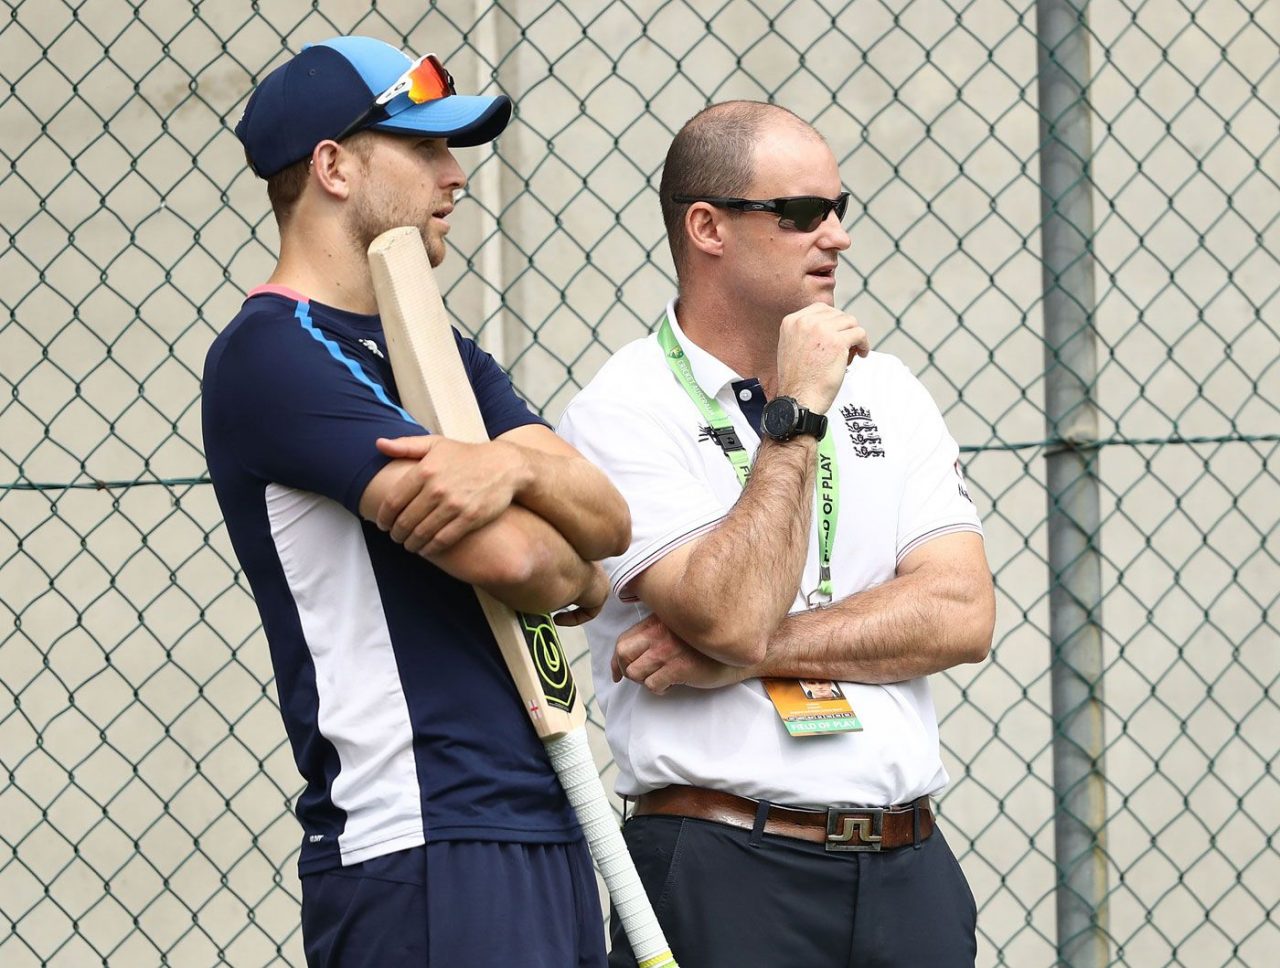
[
  {"x": 576, "y": 499},
  {"x": 516, "y": 556},
  {"x": 913, "y": 625},
  {"x": 707, "y": 602},
  {"x": 522, "y": 561},
  {"x": 548, "y": 591}
]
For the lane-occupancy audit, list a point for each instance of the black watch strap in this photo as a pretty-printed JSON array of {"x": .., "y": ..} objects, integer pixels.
[{"x": 813, "y": 424}]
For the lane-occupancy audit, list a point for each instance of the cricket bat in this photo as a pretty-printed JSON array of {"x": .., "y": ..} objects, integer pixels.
[{"x": 435, "y": 391}]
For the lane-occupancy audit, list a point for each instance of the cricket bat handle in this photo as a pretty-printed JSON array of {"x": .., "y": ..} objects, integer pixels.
[{"x": 571, "y": 757}]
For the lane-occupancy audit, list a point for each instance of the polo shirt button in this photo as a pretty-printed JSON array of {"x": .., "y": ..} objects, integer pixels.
[{"x": 744, "y": 394}]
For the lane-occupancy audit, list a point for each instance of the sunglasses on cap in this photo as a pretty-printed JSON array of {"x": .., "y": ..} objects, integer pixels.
[
  {"x": 802, "y": 213},
  {"x": 425, "y": 80}
]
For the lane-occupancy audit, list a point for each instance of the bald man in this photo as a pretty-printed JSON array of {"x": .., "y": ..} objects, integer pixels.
[{"x": 798, "y": 512}]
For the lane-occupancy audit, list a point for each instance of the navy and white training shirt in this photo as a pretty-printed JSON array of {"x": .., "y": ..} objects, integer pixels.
[{"x": 400, "y": 711}]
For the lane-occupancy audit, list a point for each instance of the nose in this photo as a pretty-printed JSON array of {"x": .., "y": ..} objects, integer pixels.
[
  {"x": 452, "y": 177},
  {"x": 831, "y": 234}
]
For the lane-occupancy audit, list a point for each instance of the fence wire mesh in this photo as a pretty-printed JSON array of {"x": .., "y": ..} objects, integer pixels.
[{"x": 145, "y": 812}]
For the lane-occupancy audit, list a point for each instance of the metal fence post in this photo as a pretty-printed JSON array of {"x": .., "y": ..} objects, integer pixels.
[{"x": 1067, "y": 227}]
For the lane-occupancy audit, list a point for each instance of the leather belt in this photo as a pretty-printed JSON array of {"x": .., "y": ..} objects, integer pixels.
[{"x": 836, "y": 828}]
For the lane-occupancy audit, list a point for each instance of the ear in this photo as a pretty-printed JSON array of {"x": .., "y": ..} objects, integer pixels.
[
  {"x": 703, "y": 226},
  {"x": 332, "y": 167}
]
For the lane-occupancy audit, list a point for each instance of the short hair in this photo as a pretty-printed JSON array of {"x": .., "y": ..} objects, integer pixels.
[
  {"x": 713, "y": 155},
  {"x": 284, "y": 188}
]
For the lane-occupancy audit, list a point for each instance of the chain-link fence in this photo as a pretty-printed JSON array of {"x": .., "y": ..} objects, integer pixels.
[{"x": 1065, "y": 221}]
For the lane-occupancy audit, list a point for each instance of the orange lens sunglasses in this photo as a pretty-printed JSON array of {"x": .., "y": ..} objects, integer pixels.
[{"x": 425, "y": 80}]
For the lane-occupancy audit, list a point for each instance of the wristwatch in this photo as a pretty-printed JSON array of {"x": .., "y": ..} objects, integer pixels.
[{"x": 784, "y": 418}]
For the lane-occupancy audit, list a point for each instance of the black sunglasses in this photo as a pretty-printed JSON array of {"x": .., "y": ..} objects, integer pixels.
[{"x": 803, "y": 213}]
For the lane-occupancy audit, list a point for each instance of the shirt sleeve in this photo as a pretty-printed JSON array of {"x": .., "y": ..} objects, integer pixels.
[
  {"x": 659, "y": 473},
  {"x": 500, "y": 405},
  {"x": 294, "y": 407},
  {"x": 935, "y": 499}
]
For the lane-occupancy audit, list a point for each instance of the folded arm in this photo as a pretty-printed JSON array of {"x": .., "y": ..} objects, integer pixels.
[
  {"x": 458, "y": 487},
  {"x": 937, "y": 612},
  {"x": 516, "y": 556},
  {"x": 700, "y": 589}
]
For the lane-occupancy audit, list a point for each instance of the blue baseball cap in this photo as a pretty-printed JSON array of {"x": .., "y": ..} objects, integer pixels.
[{"x": 327, "y": 86}]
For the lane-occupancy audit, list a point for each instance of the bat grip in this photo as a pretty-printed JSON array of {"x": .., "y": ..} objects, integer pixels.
[{"x": 571, "y": 758}]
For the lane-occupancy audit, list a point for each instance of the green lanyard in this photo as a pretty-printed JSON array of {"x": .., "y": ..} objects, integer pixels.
[{"x": 828, "y": 483}]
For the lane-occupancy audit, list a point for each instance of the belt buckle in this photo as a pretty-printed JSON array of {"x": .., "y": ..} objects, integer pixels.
[{"x": 854, "y": 830}]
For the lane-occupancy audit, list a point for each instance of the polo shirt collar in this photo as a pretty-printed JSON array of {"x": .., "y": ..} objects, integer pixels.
[{"x": 712, "y": 375}]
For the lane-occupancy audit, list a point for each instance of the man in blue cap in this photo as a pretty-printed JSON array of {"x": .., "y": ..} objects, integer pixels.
[{"x": 435, "y": 832}]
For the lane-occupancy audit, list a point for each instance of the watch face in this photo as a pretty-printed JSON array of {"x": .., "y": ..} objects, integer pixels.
[{"x": 780, "y": 417}]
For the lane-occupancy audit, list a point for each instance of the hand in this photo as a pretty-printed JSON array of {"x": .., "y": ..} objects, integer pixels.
[
  {"x": 589, "y": 603},
  {"x": 815, "y": 347},
  {"x": 455, "y": 489},
  {"x": 651, "y": 654}
]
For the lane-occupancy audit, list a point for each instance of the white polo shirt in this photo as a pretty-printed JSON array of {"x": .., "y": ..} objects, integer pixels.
[{"x": 900, "y": 486}]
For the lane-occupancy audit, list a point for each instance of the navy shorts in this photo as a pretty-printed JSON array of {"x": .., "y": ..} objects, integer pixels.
[{"x": 457, "y": 903}]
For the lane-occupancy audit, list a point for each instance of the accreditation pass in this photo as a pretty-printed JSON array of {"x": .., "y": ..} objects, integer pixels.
[{"x": 812, "y": 707}]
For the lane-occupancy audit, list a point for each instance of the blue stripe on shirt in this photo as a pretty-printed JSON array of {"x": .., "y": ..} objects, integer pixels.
[{"x": 303, "y": 314}]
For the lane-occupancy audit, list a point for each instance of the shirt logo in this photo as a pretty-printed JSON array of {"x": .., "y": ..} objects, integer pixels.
[
  {"x": 964, "y": 491},
  {"x": 372, "y": 347},
  {"x": 862, "y": 431}
]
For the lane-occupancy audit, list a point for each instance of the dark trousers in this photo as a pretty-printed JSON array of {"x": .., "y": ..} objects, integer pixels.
[
  {"x": 457, "y": 904},
  {"x": 728, "y": 898}
]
